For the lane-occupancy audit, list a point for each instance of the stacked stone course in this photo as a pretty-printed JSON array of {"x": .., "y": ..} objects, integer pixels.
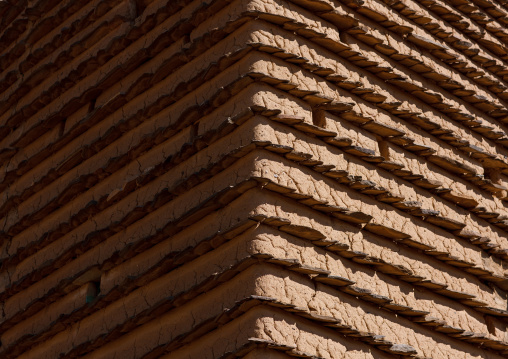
[{"x": 254, "y": 179}]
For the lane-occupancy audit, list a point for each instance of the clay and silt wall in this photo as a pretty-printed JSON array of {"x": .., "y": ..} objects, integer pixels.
[{"x": 254, "y": 178}]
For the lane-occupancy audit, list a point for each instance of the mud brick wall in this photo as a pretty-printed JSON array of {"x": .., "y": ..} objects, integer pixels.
[{"x": 254, "y": 179}]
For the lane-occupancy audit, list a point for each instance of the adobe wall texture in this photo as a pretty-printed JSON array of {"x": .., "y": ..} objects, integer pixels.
[{"x": 254, "y": 179}]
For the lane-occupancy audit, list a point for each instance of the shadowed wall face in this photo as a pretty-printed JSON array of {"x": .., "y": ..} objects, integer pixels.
[{"x": 253, "y": 178}]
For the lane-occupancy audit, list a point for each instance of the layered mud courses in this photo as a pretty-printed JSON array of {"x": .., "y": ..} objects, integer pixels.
[{"x": 254, "y": 179}]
